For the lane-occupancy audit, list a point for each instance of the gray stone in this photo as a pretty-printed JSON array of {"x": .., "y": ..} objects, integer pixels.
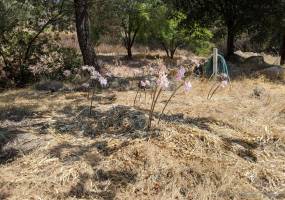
[
  {"x": 118, "y": 83},
  {"x": 274, "y": 72},
  {"x": 52, "y": 86},
  {"x": 254, "y": 63},
  {"x": 258, "y": 92}
]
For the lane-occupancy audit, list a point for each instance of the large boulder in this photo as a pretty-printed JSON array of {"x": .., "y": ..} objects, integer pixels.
[
  {"x": 274, "y": 72},
  {"x": 237, "y": 59},
  {"x": 254, "y": 63},
  {"x": 52, "y": 86},
  {"x": 119, "y": 83}
]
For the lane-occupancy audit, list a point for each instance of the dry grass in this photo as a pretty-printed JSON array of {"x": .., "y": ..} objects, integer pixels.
[{"x": 231, "y": 147}]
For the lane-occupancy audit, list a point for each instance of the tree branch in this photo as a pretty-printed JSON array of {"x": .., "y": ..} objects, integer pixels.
[
  {"x": 4, "y": 59},
  {"x": 135, "y": 34},
  {"x": 50, "y": 21}
]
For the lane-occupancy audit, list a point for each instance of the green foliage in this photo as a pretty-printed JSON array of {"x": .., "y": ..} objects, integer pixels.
[
  {"x": 70, "y": 58},
  {"x": 22, "y": 35},
  {"x": 133, "y": 16},
  {"x": 103, "y": 20},
  {"x": 29, "y": 48},
  {"x": 269, "y": 30},
  {"x": 167, "y": 26},
  {"x": 238, "y": 16},
  {"x": 200, "y": 41}
]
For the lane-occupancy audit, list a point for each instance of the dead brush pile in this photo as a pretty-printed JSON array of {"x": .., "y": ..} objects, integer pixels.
[
  {"x": 231, "y": 147},
  {"x": 117, "y": 120}
]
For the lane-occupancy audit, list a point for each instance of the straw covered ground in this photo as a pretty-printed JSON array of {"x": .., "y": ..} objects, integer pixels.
[{"x": 229, "y": 147}]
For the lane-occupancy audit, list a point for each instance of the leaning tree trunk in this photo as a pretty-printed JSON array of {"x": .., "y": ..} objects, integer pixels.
[
  {"x": 230, "y": 42},
  {"x": 165, "y": 49},
  {"x": 129, "y": 50},
  {"x": 172, "y": 52},
  {"x": 83, "y": 33},
  {"x": 282, "y": 51}
]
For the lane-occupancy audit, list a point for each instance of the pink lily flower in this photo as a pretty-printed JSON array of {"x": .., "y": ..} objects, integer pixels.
[
  {"x": 224, "y": 83},
  {"x": 147, "y": 82},
  {"x": 143, "y": 84},
  {"x": 180, "y": 74},
  {"x": 103, "y": 81},
  {"x": 162, "y": 81},
  {"x": 187, "y": 86}
]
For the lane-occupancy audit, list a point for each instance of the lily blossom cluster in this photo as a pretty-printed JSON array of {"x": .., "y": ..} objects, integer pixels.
[
  {"x": 144, "y": 83},
  {"x": 67, "y": 73},
  {"x": 224, "y": 83},
  {"x": 224, "y": 80},
  {"x": 187, "y": 86},
  {"x": 180, "y": 74},
  {"x": 95, "y": 75},
  {"x": 180, "y": 77},
  {"x": 162, "y": 80},
  {"x": 162, "y": 83}
]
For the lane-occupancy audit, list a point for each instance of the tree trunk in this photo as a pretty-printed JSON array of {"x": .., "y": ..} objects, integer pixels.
[
  {"x": 83, "y": 33},
  {"x": 167, "y": 53},
  {"x": 165, "y": 49},
  {"x": 172, "y": 52},
  {"x": 282, "y": 51},
  {"x": 230, "y": 42},
  {"x": 130, "y": 54}
]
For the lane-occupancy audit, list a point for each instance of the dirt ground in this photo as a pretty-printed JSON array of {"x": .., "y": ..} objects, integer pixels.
[{"x": 229, "y": 147}]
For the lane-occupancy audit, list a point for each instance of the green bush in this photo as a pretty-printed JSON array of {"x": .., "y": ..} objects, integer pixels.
[{"x": 71, "y": 58}]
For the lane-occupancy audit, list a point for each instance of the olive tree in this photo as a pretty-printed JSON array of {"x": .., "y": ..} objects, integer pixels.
[
  {"x": 132, "y": 15},
  {"x": 168, "y": 27}
]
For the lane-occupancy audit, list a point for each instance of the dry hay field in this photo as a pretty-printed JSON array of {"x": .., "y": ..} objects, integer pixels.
[{"x": 229, "y": 147}]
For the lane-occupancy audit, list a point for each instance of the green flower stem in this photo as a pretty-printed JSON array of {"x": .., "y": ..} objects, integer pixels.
[
  {"x": 136, "y": 96},
  {"x": 153, "y": 106},
  {"x": 214, "y": 90},
  {"x": 172, "y": 95}
]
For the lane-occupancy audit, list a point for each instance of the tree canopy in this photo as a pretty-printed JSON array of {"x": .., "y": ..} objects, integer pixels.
[{"x": 29, "y": 28}]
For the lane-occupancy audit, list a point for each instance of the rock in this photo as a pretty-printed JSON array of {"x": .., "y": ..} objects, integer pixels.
[
  {"x": 254, "y": 63},
  {"x": 246, "y": 54},
  {"x": 248, "y": 62},
  {"x": 118, "y": 83},
  {"x": 254, "y": 60},
  {"x": 53, "y": 86},
  {"x": 258, "y": 92},
  {"x": 85, "y": 87},
  {"x": 275, "y": 72},
  {"x": 237, "y": 58}
]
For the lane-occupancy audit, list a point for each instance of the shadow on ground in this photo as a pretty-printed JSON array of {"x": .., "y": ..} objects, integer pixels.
[
  {"x": 32, "y": 94},
  {"x": 121, "y": 123},
  {"x": 107, "y": 183},
  {"x": 241, "y": 147},
  {"x": 202, "y": 123},
  {"x": 17, "y": 113},
  {"x": 4, "y": 195},
  {"x": 118, "y": 121},
  {"x": 9, "y": 154}
]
